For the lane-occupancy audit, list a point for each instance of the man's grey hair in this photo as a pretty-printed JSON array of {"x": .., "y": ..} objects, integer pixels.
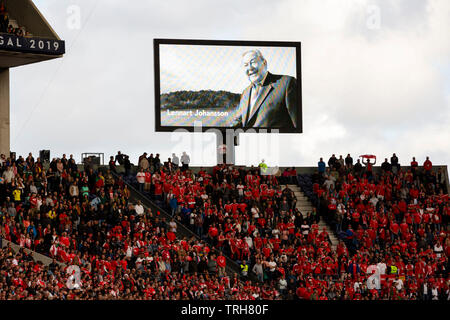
[{"x": 256, "y": 52}]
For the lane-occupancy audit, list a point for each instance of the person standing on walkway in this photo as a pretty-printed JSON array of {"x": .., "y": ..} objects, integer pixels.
[{"x": 185, "y": 160}]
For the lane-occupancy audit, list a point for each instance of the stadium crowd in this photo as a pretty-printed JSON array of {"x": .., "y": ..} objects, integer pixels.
[
  {"x": 251, "y": 218},
  {"x": 125, "y": 251},
  {"x": 86, "y": 218},
  {"x": 398, "y": 218}
]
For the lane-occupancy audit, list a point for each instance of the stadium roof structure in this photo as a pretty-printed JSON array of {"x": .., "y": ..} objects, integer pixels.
[
  {"x": 37, "y": 42},
  {"x": 41, "y": 42}
]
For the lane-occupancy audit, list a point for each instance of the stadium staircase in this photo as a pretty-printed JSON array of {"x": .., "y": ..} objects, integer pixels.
[{"x": 304, "y": 206}]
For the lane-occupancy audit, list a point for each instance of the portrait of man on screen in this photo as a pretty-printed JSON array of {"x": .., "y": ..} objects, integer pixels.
[{"x": 270, "y": 100}]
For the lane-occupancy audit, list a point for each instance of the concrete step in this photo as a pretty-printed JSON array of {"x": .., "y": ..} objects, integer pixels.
[
  {"x": 299, "y": 194},
  {"x": 332, "y": 236},
  {"x": 304, "y": 202},
  {"x": 304, "y": 211},
  {"x": 294, "y": 189},
  {"x": 302, "y": 207}
]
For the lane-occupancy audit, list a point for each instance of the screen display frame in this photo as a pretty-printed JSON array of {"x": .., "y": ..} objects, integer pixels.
[{"x": 251, "y": 44}]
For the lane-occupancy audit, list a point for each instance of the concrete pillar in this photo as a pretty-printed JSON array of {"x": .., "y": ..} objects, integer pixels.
[
  {"x": 226, "y": 137},
  {"x": 4, "y": 112},
  {"x": 231, "y": 150}
]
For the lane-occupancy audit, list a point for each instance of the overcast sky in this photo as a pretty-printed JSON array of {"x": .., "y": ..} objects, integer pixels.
[{"x": 375, "y": 78}]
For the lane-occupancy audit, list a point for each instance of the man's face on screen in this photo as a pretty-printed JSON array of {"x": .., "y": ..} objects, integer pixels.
[{"x": 254, "y": 66}]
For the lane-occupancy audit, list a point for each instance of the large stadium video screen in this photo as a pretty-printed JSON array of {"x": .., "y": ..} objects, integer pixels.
[{"x": 227, "y": 84}]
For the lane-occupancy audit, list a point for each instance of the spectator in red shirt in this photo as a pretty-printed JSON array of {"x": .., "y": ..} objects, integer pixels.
[
  {"x": 414, "y": 165},
  {"x": 427, "y": 166}
]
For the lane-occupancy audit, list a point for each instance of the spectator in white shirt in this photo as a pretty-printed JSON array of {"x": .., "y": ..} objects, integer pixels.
[
  {"x": 33, "y": 188},
  {"x": 139, "y": 208},
  {"x": 8, "y": 175},
  {"x": 398, "y": 284},
  {"x": 240, "y": 187},
  {"x": 175, "y": 160},
  {"x": 282, "y": 284},
  {"x": 434, "y": 293},
  {"x": 140, "y": 177},
  {"x": 438, "y": 249},
  {"x": 249, "y": 241},
  {"x": 185, "y": 160},
  {"x": 173, "y": 226}
]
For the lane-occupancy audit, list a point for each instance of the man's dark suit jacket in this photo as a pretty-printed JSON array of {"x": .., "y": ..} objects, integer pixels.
[{"x": 276, "y": 106}]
